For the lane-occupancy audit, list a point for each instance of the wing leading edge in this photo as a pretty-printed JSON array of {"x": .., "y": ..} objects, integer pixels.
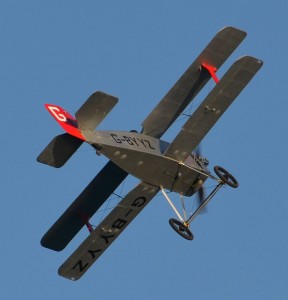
[
  {"x": 107, "y": 231},
  {"x": 212, "y": 108},
  {"x": 192, "y": 81}
]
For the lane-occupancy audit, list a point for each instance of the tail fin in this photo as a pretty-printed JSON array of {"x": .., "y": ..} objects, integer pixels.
[
  {"x": 65, "y": 120},
  {"x": 88, "y": 117}
]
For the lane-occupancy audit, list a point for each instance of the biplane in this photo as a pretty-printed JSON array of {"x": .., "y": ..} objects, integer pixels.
[{"x": 160, "y": 166}]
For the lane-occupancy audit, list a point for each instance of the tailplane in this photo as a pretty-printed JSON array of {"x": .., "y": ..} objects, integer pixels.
[{"x": 88, "y": 117}]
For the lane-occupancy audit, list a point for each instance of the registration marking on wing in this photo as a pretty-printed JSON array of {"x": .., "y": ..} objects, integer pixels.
[{"x": 107, "y": 231}]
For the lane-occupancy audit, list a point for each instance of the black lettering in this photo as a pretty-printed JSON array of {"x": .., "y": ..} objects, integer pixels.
[
  {"x": 92, "y": 252},
  {"x": 128, "y": 140},
  {"x": 134, "y": 140},
  {"x": 80, "y": 265},
  {"x": 138, "y": 202},
  {"x": 107, "y": 237},
  {"x": 148, "y": 142},
  {"x": 128, "y": 213},
  {"x": 119, "y": 223},
  {"x": 142, "y": 142},
  {"x": 114, "y": 136}
]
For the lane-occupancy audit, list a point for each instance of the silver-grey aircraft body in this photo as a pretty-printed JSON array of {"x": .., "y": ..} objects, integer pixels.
[
  {"x": 175, "y": 166},
  {"x": 143, "y": 157}
]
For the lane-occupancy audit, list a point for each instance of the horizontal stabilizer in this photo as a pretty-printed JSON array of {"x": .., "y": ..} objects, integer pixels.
[
  {"x": 59, "y": 150},
  {"x": 192, "y": 81},
  {"x": 212, "y": 108},
  {"x": 90, "y": 114},
  {"x": 94, "y": 110},
  {"x": 84, "y": 207},
  {"x": 107, "y": 231}
]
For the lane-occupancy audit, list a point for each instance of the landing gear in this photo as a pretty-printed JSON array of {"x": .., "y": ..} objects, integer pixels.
[
  {"x": 181, "y": 226},
  {"x": 181, "y": 229},
  {"x": 226, "y": 177}
]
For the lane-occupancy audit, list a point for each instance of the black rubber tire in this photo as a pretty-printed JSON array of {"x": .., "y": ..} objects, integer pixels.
[
  {"x": 226, "y": 177},
  {"x": 181, "y": 229}
]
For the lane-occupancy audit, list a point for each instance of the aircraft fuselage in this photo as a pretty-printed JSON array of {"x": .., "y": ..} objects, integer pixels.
[{"x": 144, "y": 157}]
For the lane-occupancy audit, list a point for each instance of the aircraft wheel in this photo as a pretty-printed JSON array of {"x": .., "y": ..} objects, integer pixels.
[
  {"x": 181, "y": 229},
  {"x": 226, "y": 177}
]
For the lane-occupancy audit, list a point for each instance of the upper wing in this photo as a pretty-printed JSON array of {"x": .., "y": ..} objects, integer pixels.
[
  {"x": 192, "y": 81},
  {"x": 84, "y": 207},
  {"x": 212, "y": 108},
  {"x": 109, "y": 229}
]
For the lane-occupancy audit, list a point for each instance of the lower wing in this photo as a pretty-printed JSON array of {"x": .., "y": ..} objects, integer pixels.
[{"x": 107, "y": 231}]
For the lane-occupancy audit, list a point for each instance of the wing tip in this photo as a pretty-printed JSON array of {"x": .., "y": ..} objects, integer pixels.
[
  {"x": 230, "y": 28},
  {"x": 46, "y": 243}
]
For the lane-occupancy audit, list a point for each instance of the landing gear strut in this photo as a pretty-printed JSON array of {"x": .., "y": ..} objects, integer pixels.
[{"x": 181, "y": 226}]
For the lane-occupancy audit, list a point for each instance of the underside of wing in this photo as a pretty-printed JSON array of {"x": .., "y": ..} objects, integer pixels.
[
  {"x": 192, "y": 81},
  {"x": 107, "y": 231},
  {"x": 212, "y": 108},
  {"x": 84, "y": 207}
]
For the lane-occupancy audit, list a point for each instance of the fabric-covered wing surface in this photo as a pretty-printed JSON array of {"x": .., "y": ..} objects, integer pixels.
[
  {"x": 107, "y": 231},
  {"x": 84, "y": 207},
  {"x": 192, "y": 81},
  {"x": 212, "y": 108}
]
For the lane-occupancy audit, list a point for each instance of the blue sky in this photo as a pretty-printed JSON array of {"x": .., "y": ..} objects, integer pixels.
[{"x": 62, "y": 51}]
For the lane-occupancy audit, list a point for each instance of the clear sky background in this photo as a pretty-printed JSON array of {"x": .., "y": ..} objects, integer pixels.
[{"x": 62, "y": 51}]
